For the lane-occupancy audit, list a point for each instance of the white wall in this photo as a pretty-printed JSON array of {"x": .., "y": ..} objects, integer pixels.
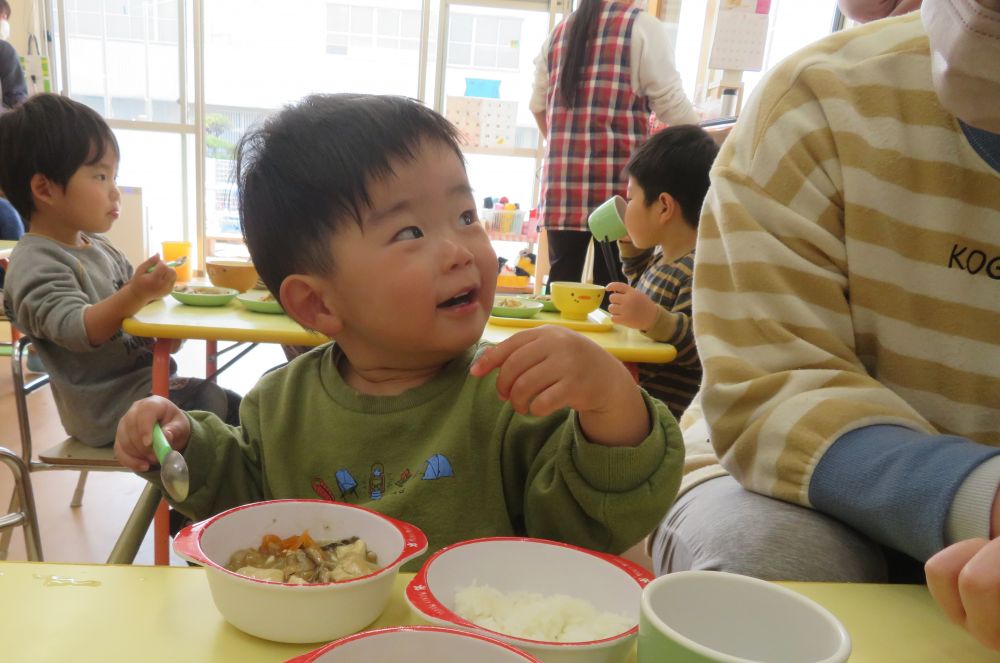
[{"x": 23, "y": 23}]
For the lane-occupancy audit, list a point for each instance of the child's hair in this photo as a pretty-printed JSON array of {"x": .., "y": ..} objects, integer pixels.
[
  {"x": 52, "y": 135},
  {"x": 5, "y": 8},
  {"x": 676, "y": 161},
  {"x": 306, "y": 172}
]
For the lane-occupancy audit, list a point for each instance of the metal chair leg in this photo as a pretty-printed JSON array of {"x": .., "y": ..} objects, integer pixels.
[
  {"x": 136, "y": 526},
  {"x": 81, "y": 483},
  {"x": 26, "y": 516},
  {"x": 8, "y": 532}
]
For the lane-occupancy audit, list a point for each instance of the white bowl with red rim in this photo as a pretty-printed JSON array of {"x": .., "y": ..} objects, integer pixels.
[
  {"x": 512, "y": 564},
  {"x": 299, "y": 613},
  {"x": 416, "y": 644}
]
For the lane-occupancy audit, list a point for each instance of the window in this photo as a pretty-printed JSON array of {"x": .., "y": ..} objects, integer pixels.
[
  {"x": 484, "y": 42},
  {"x": 124, "y": 57},
  {"x": 123, "y": 20},
  {"x": 366, "y": 27}
]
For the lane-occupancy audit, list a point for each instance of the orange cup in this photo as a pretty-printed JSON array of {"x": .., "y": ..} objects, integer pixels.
[{"x": 174, "y": 251}]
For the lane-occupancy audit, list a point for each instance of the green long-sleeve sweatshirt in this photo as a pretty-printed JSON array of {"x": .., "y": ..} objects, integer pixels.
[{"x": 449, "y": 457}]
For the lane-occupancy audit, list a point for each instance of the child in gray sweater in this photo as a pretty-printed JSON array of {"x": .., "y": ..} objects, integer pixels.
[{"x": 67, "y": 287}]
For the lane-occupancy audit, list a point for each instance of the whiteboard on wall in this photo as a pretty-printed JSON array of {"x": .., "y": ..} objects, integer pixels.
[
  {"x": 740, "y": 35},
  {"x": 128, "y": 233}
]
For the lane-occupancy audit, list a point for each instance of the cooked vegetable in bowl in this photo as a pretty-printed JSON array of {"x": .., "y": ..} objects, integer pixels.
[
  {"x": 292, "y": 611},
  {"x": 298, "y": 560}
]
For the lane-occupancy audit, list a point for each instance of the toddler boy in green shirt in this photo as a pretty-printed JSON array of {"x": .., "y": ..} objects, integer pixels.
[{"x": 359, "y": 216}]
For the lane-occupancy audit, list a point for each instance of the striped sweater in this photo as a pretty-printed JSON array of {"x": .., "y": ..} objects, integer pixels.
[
  {"x": 668, "y": 284},
  {"x": 848, "y": 275}
]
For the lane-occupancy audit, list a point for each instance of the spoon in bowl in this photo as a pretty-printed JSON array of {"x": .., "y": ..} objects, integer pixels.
[
  {"x": 173, "y": 263},
  {"x": 173, "y": 467}
]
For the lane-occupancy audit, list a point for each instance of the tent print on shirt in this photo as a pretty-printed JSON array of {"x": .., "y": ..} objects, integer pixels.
[
  {"x": 438, "y": 467},
  {"x": 346, "y": 483}
]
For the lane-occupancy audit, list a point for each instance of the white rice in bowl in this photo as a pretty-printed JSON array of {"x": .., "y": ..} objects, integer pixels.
[{"x": 533, "y": 616}]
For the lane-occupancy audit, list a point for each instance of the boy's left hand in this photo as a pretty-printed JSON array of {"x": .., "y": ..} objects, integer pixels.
[
  {"x": 630, "y": 307},
  {"x": 548, "y": 368}
]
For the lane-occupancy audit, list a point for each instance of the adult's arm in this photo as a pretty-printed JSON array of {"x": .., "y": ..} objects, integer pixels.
[
  {"x": 540, "y": 87},
  {"x": 654, "y": 74},
  {"x": 15, "y": 90}
]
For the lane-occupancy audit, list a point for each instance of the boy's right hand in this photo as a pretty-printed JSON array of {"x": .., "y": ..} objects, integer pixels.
[
  {"x": 155, "y": 284},
  {"x": 134, "y": 439}
]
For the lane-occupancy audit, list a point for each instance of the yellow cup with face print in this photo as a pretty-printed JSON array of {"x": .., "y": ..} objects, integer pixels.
[{"x": 575, "y": 301}]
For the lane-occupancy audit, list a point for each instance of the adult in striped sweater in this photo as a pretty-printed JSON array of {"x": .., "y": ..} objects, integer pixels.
[
  {"x": 667, "y": 181},
  {"x": 846, "y": 308}
]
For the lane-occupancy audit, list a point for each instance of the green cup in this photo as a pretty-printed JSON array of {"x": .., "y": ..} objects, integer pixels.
[
  {"x": 607, "y": 221},
  {"x": 716, "y": 617}
]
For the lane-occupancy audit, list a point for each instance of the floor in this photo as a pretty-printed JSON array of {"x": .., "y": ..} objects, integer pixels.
[{"x": 86, "y": 534}]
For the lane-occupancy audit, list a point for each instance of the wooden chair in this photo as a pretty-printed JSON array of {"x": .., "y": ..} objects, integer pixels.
[
  {"x": 70, "y": 454},
  {"x": 23, "y": 514}
]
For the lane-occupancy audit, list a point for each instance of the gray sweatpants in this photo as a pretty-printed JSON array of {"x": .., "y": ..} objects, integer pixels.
[{"x": 720, "y": 526}]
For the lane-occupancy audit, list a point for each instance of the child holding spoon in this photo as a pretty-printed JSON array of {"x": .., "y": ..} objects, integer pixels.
[{"x": 67, "y": 287}]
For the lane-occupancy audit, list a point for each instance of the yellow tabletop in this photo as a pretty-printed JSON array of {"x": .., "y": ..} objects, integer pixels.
[
  {"x": 152, "y": 614},
  {"x": 6, "y": 246},
  {"x": 168, "y": 318},
  {"x": 623, "y": 343}
]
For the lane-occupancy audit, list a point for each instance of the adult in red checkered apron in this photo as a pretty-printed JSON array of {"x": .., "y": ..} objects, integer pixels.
[{"x": 592, "y": 130}]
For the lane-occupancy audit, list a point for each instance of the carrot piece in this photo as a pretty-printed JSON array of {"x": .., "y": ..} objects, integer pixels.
[
  {"x": 268, "y": 540},
  {"x": 307, "y": 541},
  {"x": 291, "y": 543}
]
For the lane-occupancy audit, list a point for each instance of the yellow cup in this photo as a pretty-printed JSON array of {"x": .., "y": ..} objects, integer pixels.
[{"x": 174, "y": 251}]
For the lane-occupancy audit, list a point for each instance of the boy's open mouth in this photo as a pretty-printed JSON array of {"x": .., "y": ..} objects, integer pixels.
[{"x": 460, "y": 299}]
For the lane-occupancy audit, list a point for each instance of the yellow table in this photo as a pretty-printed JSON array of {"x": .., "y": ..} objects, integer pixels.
[
  {"x": 167, "y": 614},
  {"x": 6, "y": 246},
  {"x": 169, "y": 318}
]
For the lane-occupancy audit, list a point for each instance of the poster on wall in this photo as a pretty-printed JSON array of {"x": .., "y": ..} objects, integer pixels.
[{"x": 740, "y": 35}]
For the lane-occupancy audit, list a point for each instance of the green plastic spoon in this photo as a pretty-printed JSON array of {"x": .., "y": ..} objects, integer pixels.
[
  {"x": 173, "y": 467},
  {"x": 173, "y": 263}
]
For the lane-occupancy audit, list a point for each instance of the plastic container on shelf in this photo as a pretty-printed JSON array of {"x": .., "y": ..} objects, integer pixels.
[{"x": 503, "y": 222}]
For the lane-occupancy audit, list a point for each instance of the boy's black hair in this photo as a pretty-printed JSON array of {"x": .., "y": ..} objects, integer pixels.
[
  {"x": 306, "y": 172},
  {"x": 676, "y": 160},
  {"x": 52, "y": 135}
]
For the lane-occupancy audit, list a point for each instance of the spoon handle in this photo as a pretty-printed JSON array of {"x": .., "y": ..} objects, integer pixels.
[
  {"x": 173, "y": 263},
  {"x": 160, "y": 445}
]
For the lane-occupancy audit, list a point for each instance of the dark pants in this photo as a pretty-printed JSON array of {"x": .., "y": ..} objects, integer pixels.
[{"x": 567, "y": 251}]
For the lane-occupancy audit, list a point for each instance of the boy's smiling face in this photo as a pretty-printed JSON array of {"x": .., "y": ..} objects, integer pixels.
[{"x": 414, "y": 285}]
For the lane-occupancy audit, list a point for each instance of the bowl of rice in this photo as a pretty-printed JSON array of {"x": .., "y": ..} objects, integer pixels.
[
  {"x": 557, "y": 602},
  {"x": 415, "y": 643}
]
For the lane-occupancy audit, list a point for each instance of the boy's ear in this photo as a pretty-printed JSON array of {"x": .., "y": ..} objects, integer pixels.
[
  {"x": 303, "y": 298},
  {"x": 669, "y": 209},
  {"x": 44, "y": 190}
]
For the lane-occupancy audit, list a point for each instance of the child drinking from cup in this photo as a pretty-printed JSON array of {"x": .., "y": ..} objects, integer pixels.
[
  {"x": 667, "y": 182},
  {"x": 67, "y": 288},
  {"x": 358, "y": 214}
]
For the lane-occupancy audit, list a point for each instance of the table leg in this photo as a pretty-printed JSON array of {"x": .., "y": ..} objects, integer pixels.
[
  {"x": 161, "y": 387},
  {"x": 211, "y": 357}
]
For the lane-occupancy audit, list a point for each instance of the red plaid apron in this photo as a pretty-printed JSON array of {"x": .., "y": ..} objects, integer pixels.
[{"x": 589, "y": 145}]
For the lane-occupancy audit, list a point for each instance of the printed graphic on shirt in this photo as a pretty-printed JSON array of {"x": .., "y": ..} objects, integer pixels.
[
  {"x": 380, "y": 481},
  {"x": 376, "y": 482}
]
